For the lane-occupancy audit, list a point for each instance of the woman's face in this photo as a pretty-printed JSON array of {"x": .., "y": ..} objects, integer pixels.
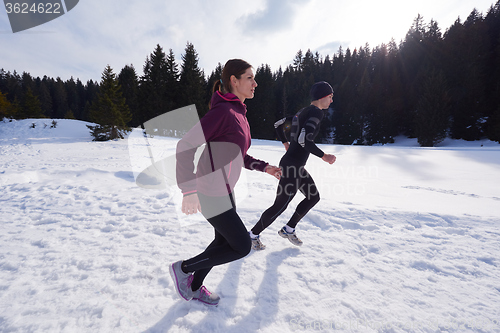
[{"x": 244, "y": 87}]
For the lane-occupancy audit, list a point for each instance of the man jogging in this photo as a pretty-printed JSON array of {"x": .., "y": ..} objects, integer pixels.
[{"x": 305, "y": 128}]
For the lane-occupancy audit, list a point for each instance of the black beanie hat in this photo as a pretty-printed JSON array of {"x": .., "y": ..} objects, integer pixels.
[{"x": 320, "y": 89}]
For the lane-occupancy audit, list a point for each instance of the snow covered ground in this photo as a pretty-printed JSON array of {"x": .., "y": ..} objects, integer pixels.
[{"x": 405, "y": 239}]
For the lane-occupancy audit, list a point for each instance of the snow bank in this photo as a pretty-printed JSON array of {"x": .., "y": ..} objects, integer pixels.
[{"x": 405, "y": 239}]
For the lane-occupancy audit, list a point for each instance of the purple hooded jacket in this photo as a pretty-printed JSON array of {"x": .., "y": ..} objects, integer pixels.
[{"x": 226, "y": 133}]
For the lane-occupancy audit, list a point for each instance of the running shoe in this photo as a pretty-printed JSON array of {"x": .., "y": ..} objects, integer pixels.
[
  {"x": 206, "y": 297},
  {"x": 257, "y": 244},
  {"x": 182, "y": 281},
  {"x": 292, "y": 237}
]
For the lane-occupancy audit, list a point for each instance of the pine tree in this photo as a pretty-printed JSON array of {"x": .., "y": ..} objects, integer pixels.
[
  {"x": 216, "y": 75},
  {"x": 30, "y": 107},
  {"x": 172, "y": 75},
  {"x": 347, "y": 117},
  {"x": 81, "y": 92},
  {"x": 59, "y": 99},
  {"x": 433, "y": 111},
  {"x": 395, "y": 103},
  {"x": 91, "y": 91},
  {"x": 412, "y": 55},
  {"x": 466, "y": 47},
  {"x": 129, "y": 83},
  {"x": 261, "y": 107},
  {"x": 109, "y": 110},
  {"x": 13, "y": 87},
  {"x": 492, "y": 21},
  {"x": 192, "y": 82},
  {"x": 44, "y": 96},
  {"x": 298, "y": 83},
  {"x": 310, "y": 64},
  {"x": 72, "y": 96},
  {"x": 494, "y": 126},
  {"x": 297, "y": 61},
  {"x": 152, "y": 87},
  {"x": 280, "y": 95},
  {"x": 3, "y": 79},
  {"x": 69, "y": 115},
  {"x": 27, "y": 82},
  {"x": 7, "y": 110}
]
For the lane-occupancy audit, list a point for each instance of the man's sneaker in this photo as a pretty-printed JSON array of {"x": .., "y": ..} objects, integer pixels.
[
  {"x": 292, "y": 237},
  {"x": 257, "y": 244},
  {"x": 182, "y": 281},
  {"x": 206, "y": 297}
]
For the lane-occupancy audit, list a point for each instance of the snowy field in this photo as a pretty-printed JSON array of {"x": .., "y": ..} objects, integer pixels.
[{"x": 405, "y": 239}]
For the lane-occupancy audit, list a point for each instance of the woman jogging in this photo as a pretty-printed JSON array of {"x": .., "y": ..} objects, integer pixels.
[
  {"x": 225, "y": 132},
  {"x": 305, "y": 128}
]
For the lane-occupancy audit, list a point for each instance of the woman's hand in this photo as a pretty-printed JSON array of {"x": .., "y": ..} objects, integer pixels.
[
  {"x": 191, "y": 204},
  {"x": 274, "y": 171},
  {"x": 287, "y": 145}
]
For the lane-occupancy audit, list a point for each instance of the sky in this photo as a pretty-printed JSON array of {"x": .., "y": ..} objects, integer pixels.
[{"x": 96, "y": 33}]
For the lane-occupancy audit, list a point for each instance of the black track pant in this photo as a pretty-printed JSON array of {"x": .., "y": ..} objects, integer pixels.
[
  {"x": 231, "y": 242},
  {"x": 295, "y": 178}
]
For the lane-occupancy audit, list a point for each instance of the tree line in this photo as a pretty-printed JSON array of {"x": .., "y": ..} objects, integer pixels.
[{"x": 431, "y": 85}]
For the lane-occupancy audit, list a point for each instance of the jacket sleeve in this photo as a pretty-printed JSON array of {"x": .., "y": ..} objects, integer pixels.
[
  {"x": 186, "y": 148},
  {"x": 309, "y": 132},
  {"x": 252, "y": 163}
]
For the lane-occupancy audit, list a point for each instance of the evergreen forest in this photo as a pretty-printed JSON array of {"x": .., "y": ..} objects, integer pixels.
[{"x": 431, "y": 85}]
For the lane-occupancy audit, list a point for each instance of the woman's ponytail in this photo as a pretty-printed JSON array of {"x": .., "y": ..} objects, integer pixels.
[{"x": 232, "y": 67}]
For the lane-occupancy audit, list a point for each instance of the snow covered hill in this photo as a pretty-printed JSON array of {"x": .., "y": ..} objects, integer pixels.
[{"x": 405, "y": 239}]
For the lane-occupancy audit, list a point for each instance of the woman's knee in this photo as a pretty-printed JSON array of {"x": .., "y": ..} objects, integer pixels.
[{"x": 245, "y": 246}]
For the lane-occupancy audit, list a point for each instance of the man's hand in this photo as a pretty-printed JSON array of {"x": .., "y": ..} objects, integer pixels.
[
  {"x": 329, "y": 158},
  {"x": 191, "y": 204},
  {"x": 287, "y": 145}
]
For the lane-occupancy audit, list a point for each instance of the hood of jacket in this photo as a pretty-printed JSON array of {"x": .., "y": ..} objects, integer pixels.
[{"x": 218, "y": 98}]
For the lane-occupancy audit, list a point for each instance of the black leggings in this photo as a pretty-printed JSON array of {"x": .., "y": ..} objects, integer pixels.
[
  {"x": 231, "y": 241},
  {"x": 295, "y": 178}
]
